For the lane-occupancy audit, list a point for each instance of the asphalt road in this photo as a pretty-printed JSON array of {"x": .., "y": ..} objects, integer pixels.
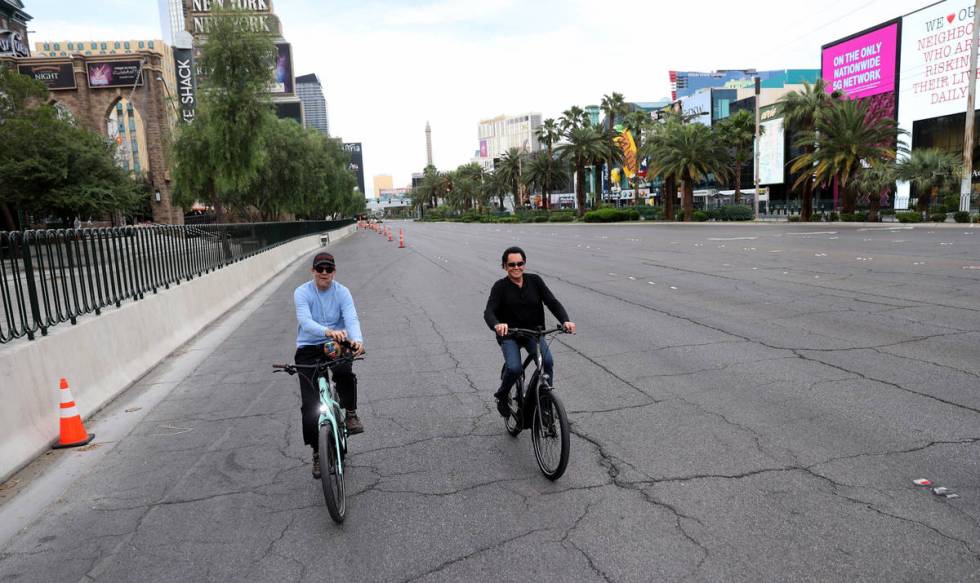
[{"x": 748, "y": 403}]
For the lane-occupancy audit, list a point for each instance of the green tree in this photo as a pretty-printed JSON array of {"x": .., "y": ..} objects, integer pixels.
[
  {"x": 613, "y": 106},
  {"x": 930, "y": 169},
  {"x": 219, "y": 155},
  {"x": 546, "y": 174},
  {"x": 548, "y": 133},
  {"x": 849, "y": 138},
  {"x": 49, "y": 166},
  {"x": 689, "y": 152},
  {"x": 584, "y": 145},
  {"x": 510, "y": 169},
  {"x": 874, "y": 181},
  {"x": 738, "y": 133},
  {"x": 801, "y": 111},
  {"x": 573, "y": 117}
]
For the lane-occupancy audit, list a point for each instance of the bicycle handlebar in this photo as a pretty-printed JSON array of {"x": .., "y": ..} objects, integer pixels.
[
  {"x": 529, "y": 332},
  {"x": 294, "y": 368}
]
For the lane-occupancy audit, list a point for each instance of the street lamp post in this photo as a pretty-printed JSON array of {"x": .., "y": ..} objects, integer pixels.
[
  {"x": 966, "y": 185},
  {"x": 755, "y": 197}
]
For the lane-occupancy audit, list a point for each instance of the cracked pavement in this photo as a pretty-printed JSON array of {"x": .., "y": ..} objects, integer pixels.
[{"x": 737, "y": 414}]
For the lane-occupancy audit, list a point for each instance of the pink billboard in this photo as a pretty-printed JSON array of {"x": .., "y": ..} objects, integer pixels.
[{"x": 864, "y": 65}]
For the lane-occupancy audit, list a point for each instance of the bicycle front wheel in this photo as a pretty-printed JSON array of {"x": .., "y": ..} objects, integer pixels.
[
  {"x": 549, "y": 435},
  {"x": 331, "y": 476}
]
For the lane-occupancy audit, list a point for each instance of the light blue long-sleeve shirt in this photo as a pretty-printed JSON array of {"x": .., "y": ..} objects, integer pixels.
[{"x": 318, "y": 311}]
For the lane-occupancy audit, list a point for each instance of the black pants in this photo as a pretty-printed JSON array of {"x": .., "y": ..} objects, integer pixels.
[{"x": 344, "y": 379}]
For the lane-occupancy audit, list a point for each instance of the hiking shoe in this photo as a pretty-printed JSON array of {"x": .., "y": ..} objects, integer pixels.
[
  {"x": 503, "y": 406},
  {"x": 316, "y": 466},
  {"x": 354, "y": 425}
]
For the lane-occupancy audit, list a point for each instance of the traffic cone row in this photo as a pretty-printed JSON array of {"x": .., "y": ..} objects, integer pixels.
[
  {"x": 384, "y": 231},
  {"x": 73, "y": 433}
]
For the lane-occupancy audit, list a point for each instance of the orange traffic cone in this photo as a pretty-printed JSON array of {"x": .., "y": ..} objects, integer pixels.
[
  {"x": 401, "y": 238},
  {"x": 389, "y": 235},
  {"x": 72, "y": 431}
]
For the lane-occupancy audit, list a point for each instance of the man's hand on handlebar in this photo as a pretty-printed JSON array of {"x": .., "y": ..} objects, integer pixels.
[
  {"x": 337, "y": 335},
  {"x": 569, "y": 327},
  {"x": 501, "y": 329},
  {"x": 358, "y": 347}
]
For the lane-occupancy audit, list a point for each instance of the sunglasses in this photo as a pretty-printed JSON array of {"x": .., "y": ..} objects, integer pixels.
[
  {"x": 324, "y": 268},
  {"x": 518, "y": 264}
]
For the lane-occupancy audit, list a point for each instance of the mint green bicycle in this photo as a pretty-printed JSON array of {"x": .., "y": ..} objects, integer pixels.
[{"x": 332, "y": 432}]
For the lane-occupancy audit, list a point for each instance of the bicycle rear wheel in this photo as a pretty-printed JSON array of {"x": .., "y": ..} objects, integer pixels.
[
  {"x": 549, "y": 435},
  {"x": 331, "y": 476}
]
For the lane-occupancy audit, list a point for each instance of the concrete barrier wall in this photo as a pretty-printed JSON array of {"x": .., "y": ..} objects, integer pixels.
[{"x": 102, "y": 355}]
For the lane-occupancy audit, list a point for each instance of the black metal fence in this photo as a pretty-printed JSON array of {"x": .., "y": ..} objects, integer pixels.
[{"x": 55, "y": 276}]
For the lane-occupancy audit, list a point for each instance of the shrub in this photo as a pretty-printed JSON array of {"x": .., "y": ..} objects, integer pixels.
[
  {"x": 793, "y": 218},
  {"x": 886, "y": 212},
  {"x": 678, "y": 214},
  {"x": 562, "y": 217},
  {"x": 510, "y": 219},
  {"x": 951, "y": 203},
  {"x": 700, "y": 216},
  {"x": 611, "y": 215},
  {"x": 861, "y": 216},
  {"x": 961, "y": 217},
  {"x": 908, "y": 217},
  {"x": 937, "y": 217},
  {"x": 736, "y": 212},
  {"x": 833, "y": 217}
]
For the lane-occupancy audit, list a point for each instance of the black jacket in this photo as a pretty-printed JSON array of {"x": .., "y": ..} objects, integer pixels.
[{"x": 521, "y": 307}]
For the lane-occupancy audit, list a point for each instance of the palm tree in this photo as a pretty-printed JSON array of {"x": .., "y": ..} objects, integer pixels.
[
  {"x": 573, "y": 117},
  {"x": 546, "y": 174},
  {"x": 849, "y": 139},
  {"x": 689, "y": 152},
  {"x": 612, "y": 106},
  {"x": 930, "y": 169},
  {"x": 738, "y": 133},
  {"x": 801, "y": 110},
  {"x": 548, "y": 133},
  {"x": 584, "y": 145},
  {"x": 495, "y": 186},
  {"x": 873, "y": 182},
  {"x": 510, "y": 170}
]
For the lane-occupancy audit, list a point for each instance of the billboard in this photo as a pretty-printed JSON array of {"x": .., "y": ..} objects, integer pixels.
[
  {"x": 936, "y": 60},
  {"x": 863, "y": 65},
  {"x": 186, "y": 84},
  {"x": 114, "y": 74},
  {"x": 484, "y": 150},
  {"x": 772, "y": 152},
  {"x": 283, "y": 74},
  {"x": 53, "y": 75},
  {"x": 356, "y": 162}
]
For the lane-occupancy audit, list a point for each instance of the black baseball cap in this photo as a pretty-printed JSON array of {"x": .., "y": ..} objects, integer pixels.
[{"x": 323, "y": 259}]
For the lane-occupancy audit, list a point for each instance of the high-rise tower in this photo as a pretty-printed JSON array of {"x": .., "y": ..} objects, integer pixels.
[
  {"x": 428, "y": 144},
  {"x": 310, "y": 92}
]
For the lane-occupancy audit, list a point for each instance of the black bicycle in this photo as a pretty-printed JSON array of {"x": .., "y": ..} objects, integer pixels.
[
  {"x": 332, "y": 432},
  {"x": 537, "y": 407}
]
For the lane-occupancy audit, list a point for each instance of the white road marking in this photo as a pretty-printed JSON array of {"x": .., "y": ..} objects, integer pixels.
[
  {"x": 652, "y": 283},
  {"x": 632, "y": 278},
  {"x": 820, "y": 255},
  {"x": 776, "y": 251},
  {"x": 816, "y": 233},
  {"x": 732, "y": 238},
  {"x": 672, "y": 287}
]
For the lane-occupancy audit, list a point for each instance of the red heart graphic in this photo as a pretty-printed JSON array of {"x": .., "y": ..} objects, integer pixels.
[{"x": 950, "y": 18}]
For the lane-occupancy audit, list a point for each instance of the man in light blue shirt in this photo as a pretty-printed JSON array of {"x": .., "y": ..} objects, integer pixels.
[{"x": 325, "y": 311}]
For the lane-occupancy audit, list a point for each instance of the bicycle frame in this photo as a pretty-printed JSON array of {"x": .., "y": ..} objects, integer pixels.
[{"x": 538, "y": 376}]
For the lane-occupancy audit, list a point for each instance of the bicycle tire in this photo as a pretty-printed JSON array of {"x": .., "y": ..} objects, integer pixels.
[
  {"x": 549, "y": 430},
  {"x": 332, "y": 480},
  {"x": 513, "y": 422}
]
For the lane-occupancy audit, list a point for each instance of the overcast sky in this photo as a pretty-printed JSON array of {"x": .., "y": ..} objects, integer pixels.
[{"x": 388, "y": 66}]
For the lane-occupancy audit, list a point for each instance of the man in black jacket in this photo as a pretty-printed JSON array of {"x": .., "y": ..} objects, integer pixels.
[{"x": 518, "y": 301}]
